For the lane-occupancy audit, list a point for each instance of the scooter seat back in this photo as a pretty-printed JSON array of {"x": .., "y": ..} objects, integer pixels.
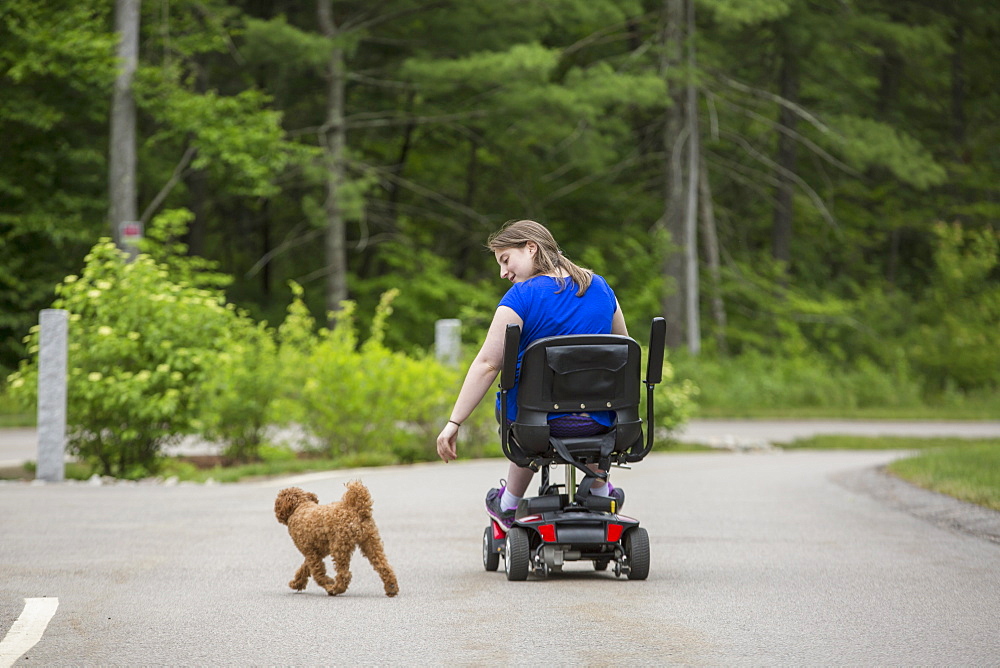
[{"x": 579, "y": 374}]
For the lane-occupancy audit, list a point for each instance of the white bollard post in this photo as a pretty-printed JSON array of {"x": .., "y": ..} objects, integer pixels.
[
  {"x": 448, "y": 341},
  {"x": 52, "y": 347}
]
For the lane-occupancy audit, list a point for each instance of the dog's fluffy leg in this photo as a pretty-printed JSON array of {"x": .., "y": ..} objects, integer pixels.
[
  {"x": 301, "y": 577},
  {"x": 373, "y": 550},
  {"x": 341, "y": 555},
  {"x": 319, "y": 572}
]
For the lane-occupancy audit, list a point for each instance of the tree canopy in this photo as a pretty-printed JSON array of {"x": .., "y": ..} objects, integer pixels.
[{"x": 846, "y": 153}]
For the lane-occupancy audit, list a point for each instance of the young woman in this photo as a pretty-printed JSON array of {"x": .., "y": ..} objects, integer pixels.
[{"x": 550, "y": 296}]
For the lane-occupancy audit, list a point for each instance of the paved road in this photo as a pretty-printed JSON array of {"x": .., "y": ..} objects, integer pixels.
[{"x": 757, "y": 559}]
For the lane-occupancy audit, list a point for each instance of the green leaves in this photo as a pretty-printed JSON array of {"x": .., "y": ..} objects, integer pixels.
[
  {"x": 275, "y": 41},
  {"x": 142, "y": 343},
  {"x": 739, "y": 13},
  {"x": 955, "y": 344},
  {"x": 366, "y": 399},
  {"x": 238, "y": 139},
  {"x": 869, "y": 143}
]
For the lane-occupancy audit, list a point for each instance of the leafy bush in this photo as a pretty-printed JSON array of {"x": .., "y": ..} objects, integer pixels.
[
  {"x": 756, "y": 381},
  {"x": 236, "y": 393},
  {"x": 361, "y": 399},
  {"x": 955, "y": 342},
  {"x": 141, "y": 345}
]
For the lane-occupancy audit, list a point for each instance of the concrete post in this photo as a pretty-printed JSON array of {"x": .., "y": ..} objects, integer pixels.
[
  {"x": 54, "y": 327},
  {"x": 448, "y": 341}
]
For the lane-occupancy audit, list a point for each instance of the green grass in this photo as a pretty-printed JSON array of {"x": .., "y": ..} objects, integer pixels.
[
  {"x": 972, "y": 411},
  {"x": 966, "y": 469},
  {"x": 16, "y": 420},
  {"x": 844, "y": 442},
  {"x": 970, "y": 472}
]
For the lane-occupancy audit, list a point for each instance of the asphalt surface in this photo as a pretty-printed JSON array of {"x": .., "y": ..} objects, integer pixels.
[{"x": 758, "y": 558}]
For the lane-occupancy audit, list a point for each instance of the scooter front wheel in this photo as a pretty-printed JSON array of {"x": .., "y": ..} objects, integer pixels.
[
  {"x": 636, "y": 546},
  {"x": 517, "y": 556}
]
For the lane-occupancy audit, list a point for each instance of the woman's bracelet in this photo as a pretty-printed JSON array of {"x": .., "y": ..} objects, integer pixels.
[{"x": 457, "y": 424}]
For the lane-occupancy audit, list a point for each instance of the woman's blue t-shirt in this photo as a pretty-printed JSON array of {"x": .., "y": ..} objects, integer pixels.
[{"x": 546, "y": 311}]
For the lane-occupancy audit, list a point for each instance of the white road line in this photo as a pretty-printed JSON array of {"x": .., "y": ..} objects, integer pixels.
[{"x": 27, "y": 630}]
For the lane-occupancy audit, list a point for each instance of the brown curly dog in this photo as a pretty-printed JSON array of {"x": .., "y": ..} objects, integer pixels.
[{"x": 334, "y": 529}]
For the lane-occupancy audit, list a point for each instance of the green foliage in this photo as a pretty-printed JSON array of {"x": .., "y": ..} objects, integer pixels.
[
  {"x": 427, "y": 291},
  {"x": 239, "y": 141},
  {"x": 56, "y": 71},
  {"x": 738, "y": 13},
  {"x": 277, "y": 42},
  {"x": 462, "y": 115},
  {"x": 141, "y": 344},
  {"x": 867, "y": 143},
  {"x": 955, "y": 342},
  {"x": 754, "y": 381},
  {"x": 236, "y": 395},
  {"x": 361, "y": 398}
]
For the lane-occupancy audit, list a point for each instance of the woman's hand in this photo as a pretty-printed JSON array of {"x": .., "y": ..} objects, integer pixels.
[{"x": 447, "y": 442}]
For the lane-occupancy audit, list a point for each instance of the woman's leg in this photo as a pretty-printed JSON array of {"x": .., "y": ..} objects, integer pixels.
[{"x": 518, "y": 479}]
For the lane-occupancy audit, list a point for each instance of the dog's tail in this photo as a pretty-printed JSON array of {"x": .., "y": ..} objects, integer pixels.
[{"x": 358, "y": 497}]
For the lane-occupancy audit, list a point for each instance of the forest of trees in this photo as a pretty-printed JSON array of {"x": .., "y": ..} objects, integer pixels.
[{"x": 783, "y": 177}]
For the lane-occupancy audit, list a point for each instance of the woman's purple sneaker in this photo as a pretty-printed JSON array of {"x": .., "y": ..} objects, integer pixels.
[{"x": 504, "y": 518}]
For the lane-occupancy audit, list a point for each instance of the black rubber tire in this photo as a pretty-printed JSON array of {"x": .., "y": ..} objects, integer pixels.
[
  {"x": 491, "y": 558},
  {"x": 636, "y": 546},
  {"x": 601, "y": 564},
  {"x": 517, "y": 558}
]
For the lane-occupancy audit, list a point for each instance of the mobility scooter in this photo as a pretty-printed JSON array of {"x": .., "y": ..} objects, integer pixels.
[{"x": 565, "y": 522}]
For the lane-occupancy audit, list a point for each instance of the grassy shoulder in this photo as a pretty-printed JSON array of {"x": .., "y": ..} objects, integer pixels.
[
  {"x": 966, "y": 469},
  {"x": 968, "y": 411}
]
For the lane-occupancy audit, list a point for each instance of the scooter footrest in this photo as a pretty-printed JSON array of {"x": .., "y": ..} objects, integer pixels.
[
  {"x": 601, "y": 504},
  {"x": 542, "y": 504}
]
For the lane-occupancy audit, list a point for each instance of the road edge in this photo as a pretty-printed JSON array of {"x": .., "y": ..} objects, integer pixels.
[{"x": 939, "y": 509}]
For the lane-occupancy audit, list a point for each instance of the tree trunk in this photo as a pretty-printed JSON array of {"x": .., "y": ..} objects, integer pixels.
[
  {"x": 122, "y": 153},
  {"x": 692, "y": 301},
  {"x": 673, "y": 141},
  {"x": 333, "y": 140},
  {"x": 711, "y": 238},
  {"x": 781, "y": 237}
]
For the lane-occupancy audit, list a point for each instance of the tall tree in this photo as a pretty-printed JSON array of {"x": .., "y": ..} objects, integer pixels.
[
  {"x": 122, "y": 192},
  {"x": 674, "y": 138},
  {"x": 333, "y": 137}
]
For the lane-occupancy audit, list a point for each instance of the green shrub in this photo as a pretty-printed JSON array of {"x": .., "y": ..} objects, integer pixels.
[
  {"x": 361, "y": 399},
  {"x": 141, "y": 345},
  {"x": 237, "y": 390},
  {"x": 955, "y": 342},
  {"x": 754, "y": 381}
]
